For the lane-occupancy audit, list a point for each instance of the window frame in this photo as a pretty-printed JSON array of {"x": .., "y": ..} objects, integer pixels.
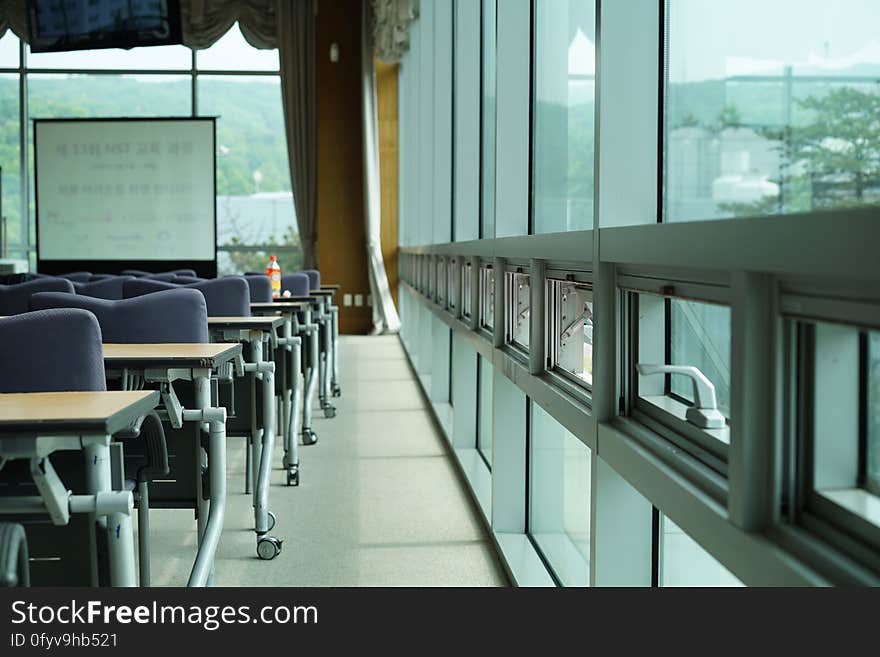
[
  {"x": 562, "y": 378},
  {"x": 512, "y": 272}
]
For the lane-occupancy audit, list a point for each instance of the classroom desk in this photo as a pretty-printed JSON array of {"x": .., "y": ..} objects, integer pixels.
[
  {"x": 35, "y": 425},
  {"x": 298, "y": 325},
  {"x": 327, "y": 316},
  {"x": 261, "y": 366},
  {"x": 165, "y": 364}
]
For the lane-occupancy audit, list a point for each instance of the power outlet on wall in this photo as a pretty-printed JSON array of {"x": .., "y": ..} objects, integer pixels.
[
  {"x": 358, "y": 300},
  {"x": 346, "y": 299}
]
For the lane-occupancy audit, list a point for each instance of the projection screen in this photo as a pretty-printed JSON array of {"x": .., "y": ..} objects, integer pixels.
[{"x": 126, "y": 190}]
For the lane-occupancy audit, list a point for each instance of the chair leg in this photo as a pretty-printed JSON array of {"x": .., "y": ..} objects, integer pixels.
[{"x": 144, "y": 532}]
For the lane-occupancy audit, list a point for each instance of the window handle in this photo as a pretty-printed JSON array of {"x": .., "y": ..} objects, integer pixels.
[{"x": 704, "y": 413}]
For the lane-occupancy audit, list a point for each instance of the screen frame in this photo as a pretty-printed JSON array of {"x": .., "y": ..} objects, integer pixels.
[
  {"x": 203, "y": 268},
  {"x": 124, "y": 39}
]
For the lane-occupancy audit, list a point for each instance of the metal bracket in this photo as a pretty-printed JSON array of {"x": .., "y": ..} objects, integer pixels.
[
  {"x": 55, "y": 496},
  {"x": 172, "y": 405}
]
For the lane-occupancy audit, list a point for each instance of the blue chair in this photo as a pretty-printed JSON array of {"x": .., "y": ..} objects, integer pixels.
[
  {"x": 103, "y": 288},
  {"x": 224, "y": 297},
  {"x": 140, "y": 273},
  {"x": 175, "y": 315},
  {"x": 314, "y": 278},
  {"x": 260, "y": 288},
  {"x": 297, "y": 284},
  {"x": 78, "y": 276},
  {"x": 14, "y": 299},
  {"x": 51, "y": 351}
]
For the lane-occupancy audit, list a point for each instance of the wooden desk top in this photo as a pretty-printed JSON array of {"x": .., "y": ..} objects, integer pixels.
[
  {"x": 99, "y": 413},
  {"x": 309, "y": 298},
  {"x": 171, "y": 354},
  {"x": 330, "y": 286},
  {"x": 323, "y": 292},
  {"x": 261, "y": 322}
]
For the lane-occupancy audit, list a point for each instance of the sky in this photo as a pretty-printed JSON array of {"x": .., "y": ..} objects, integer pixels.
[{"x": 231, "y": 52}]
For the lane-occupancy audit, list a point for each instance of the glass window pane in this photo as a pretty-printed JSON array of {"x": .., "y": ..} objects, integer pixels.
[
  {"x": 233, "y": 53},
  {"x": 763, "y": 119},
  {"x": 71, "y": 96},
  {"x": 153, "y": 57},
  {"x": 10, "y": 161},
  {"x": 700, "y": 336},
  {"x": 559, "y": 498},
  {"x": 254, "y": 198},
  {"x": 466, "y": 282},
  {"x": 9, "y": 50},
  {"x": 845, "y": 422},
  {"x": 571, "y": 328},
  {"x": 565, "y": 73},
  {"x": 487, "y": 298},
  {"x": 487, "y": 121},
  {"x": 674, "y": 334},
  {"x": 484, "y": 413},
  {"x": 685, "y": 563},
  {"x": 518, "y": 309}
]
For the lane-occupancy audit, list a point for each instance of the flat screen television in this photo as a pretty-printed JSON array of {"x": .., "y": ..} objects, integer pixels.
[{"x": 60, "y": 25}]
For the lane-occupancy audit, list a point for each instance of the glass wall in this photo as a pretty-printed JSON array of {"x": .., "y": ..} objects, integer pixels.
[
  {"x": 559, "y": 498},
  {"x": 255, "y": 212},
  {"x": 684, "y": 563},
  {"x": 765, "y": 119},
  {"x": 564, "y": 115},
  {"x": 487, "y": 121}
]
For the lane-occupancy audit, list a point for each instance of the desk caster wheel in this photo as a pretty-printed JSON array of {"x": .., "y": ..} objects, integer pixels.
[
  {"x": 268, "y": 547},
  {"x": 272, "y": 521},
  {"x": 293, "y": 476},
  {"x": 329, "y": 411},
  {"x": 309, "y": 437},
  {"x": 337, "y": 391}
]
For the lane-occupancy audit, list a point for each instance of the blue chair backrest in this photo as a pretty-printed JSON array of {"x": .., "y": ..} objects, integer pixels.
[
  {"x": 296, "y": 284},
  {"x": 224, "y": 297},
  {"x": 78, "y": 276},
  {"x": 104, "y": 288},
  {"x": 260, "y": 287},
  {"x": 140, "y": 273},
  {"x": 184, "y": 280},
  {"x": 51, "y": 351},
  {"x": 14, "y": 298},
  {"x": 168, "y": 316},
  {"x": 314, "y": 278}
]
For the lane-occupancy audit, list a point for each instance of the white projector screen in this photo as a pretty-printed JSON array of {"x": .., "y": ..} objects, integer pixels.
[{"x": 125, "y": 189}]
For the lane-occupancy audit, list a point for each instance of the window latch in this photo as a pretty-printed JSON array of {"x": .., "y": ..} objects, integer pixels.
[{"x": 704, "y": 413}]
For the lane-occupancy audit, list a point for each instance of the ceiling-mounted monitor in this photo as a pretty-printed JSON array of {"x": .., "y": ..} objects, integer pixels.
[{"x": 60, "y": 25}]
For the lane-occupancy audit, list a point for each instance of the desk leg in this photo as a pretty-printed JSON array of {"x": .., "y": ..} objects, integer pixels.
[
  {"x": 336, "y": 388},
  {"x": 211, "y": 518},
  {"x": 268, "y": 547},
  {"x": 326, "y": 364},
  {"x": 116, "y": 526},
  {"x": 309, "y": 437},
  {"x": 292, "y": 400}
]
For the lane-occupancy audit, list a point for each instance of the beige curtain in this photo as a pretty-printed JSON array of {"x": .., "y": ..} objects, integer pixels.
[{"x": 385, "y": 317}]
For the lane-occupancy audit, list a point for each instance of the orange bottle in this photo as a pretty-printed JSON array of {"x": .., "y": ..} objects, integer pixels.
[{"x": 273, "y": 271}]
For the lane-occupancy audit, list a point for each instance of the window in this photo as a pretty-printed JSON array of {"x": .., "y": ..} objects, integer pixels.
[
  {"x": 484, "y": 409},
  {"x": 452, "y": 292},
  {"x": 9, "y": 50},
  {"x": 487, "y": 298},
  {"x": 570, "y": 338},
  {"x": 758, "y": 124},
  {"x": 518, "y": 309},
  {"x": 559, "y": 498},
  {"x": 682, "y": 372},
  {"x": 466, "y": 283},
  {"x": 842, "y": 423},
  {"x": 441, "y": 283},
  {"x": 564, "y": 83},
  {"x": 255, "y": 212},
  {"x": 487, "y": 121},
  {"x": 683, "y": 562}
]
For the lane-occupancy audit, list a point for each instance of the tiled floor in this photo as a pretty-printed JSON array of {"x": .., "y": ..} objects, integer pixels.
[{"x": 380, "y": 503}]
